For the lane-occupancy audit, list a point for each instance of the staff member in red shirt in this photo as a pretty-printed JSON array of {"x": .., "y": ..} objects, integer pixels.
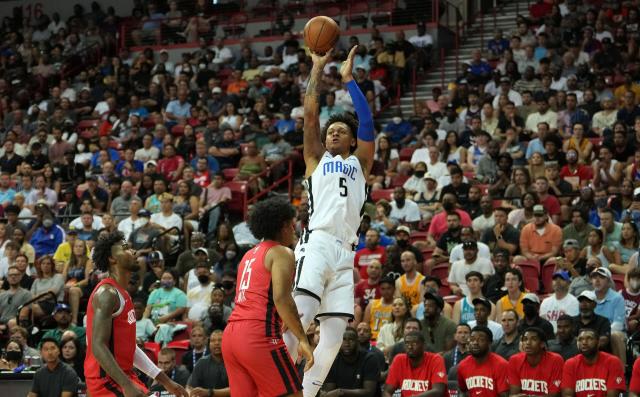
[
  {"x": 416, "y": 371},
  {"x": 592, "y": 373},
  {"x": 535, "y": 371},
  {"x": 484, "y": 373}
]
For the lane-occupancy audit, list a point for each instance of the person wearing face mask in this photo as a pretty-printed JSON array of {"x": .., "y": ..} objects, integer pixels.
[
  {"x": 398, "y": 130},
  {"x": 167, "y": 303},
  {"x": 199, "y": 296},
  {"x": 531, "y": 308},
  {"x": 415, "y": 184},
  {"x": 12, "y": 360},
  {"x": 228, "y": 283},
  {"x": 47, "y": 236}
]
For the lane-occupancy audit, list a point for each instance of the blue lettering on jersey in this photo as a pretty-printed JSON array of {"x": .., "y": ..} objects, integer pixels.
[{"x": 339, "y": 167}]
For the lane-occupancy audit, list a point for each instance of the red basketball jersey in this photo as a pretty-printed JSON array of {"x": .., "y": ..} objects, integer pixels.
[
  {"x": 487, "y": 379},
  {"x": 122, "y": 343},
  {"x": 593, "y": 380},
  {"x": 543, "y": 379},
  {"x": 254, "y": 291}
]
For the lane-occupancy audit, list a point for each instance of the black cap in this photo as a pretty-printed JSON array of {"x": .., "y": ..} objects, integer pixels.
[
  {"x": 437, "y": 298},
  {"x": 470, "y": 244},
  {"x": 482, "y": 301},
  {"x": 483, "y": 329},
  {"x": 12, "y": 209}
]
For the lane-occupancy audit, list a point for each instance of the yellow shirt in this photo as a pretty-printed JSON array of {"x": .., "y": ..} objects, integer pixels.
[
  {"x": 411, "y": 292},
  {"x": 380, "y": 315},
  {"x": 507, "y": 305},
  {"x": 63, "y": 253}
]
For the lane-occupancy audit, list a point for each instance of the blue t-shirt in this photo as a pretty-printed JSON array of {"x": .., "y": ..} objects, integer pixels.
[{"x": 163, "y": 302}]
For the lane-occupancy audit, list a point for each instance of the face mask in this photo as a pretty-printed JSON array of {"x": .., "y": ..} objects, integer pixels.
[
  {"x": 14, "y": 356},
  {"x": 420, "y": 174},
  {"x": 448, "y": 206},
  {"x": 530, "y": 310},
  {"x": 402, "y": 243},
  {"x": 47, "y": 223},
  {"x": 204, "y": 279},
  {"x": 167, "y": 284},
  {"x": 397, "y": 120},
  {"x": 227, "y": 284},
  {"x": 112, "y": 119},
  {"x": 230, "y": 254},
  {"x": 635, "y": 284},
  {"x": 81, "y": 147}
]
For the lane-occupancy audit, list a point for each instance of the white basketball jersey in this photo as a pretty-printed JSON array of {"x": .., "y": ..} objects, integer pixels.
[{"x": 337, "y": 192}]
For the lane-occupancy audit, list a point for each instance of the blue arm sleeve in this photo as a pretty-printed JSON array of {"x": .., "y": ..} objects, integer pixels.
[{"x": 365, "y": 119}]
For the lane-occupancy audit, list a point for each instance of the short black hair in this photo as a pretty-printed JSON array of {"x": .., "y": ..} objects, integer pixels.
[
  {"x": 269, "y": 216},
  {"x": 538, "y": 331},
  {"x": 102, "y": 249},
  {"x": 348, "y": 118},
  {"x": 416, "y": 334},
  {"x": 476, "y": 274},
  {"x": 414, "y": 320},
  {"x": 431, "y": 278},
  {"x": 388, "y": 280},
  {"x": 565, "y": 317},
  {"x": 484, "y": 330},
  {"x": 49, "y": 339},
  {"x": 594, "y": 331}
]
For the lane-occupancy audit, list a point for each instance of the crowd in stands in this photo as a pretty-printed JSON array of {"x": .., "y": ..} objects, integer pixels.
[{"x": 514, "y": 192}]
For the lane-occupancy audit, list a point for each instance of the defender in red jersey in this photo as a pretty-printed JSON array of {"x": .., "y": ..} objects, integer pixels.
[
  {"x": 592, "y": 373},
  {"x": 111, "y": 328},
  {"x": 255, "y": 356},
  {"x": 483, "y": 374},
  {"x": 634, "y": 385},
  {"x": 416, "y": 371},
  {"x": 535, "y": 371}
]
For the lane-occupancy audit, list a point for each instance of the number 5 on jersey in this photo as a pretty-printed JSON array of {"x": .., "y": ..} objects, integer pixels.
[
  {"x": 245, "y": 280},
  {"x": 343, "y": 187}
]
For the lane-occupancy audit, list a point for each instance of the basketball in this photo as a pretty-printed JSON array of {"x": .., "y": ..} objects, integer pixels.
[{"x": 321, "y": 34}]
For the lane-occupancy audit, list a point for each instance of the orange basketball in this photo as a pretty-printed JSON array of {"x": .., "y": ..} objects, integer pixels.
[{"x": 321, "y": 34}]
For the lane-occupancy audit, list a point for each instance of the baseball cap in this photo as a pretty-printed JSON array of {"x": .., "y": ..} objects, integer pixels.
[
  {"x": 144, "y": 214},
  {"x": 601, "y": 271},
  {"x": 430, "y": 176},
  {"x": 60, "y": 307},
  {"x": 470, "y": 244},
  {"x": 636, "y": 192},
  {"x": 531, "y": 298},
  {"x": 216, "y": 90},
  {"x": 437, "y": 298},
  {"x": 588, "y": 295},
  {"x": 72, "y": 231},
  {"x": 202, "y": 250},
  {"x": 151, "y": 162},
  {"x": 563, "y": 274},
  {"x": 538, "y": 209},
  {"x": 505, "y": 79},
  {"x": 155, "y": 256},
  {"x": 403, "y": 228},
  {"x": 164, "y": 50},
  {"x": 482, "y": 301},
  {"x": 571, "y": 243}
]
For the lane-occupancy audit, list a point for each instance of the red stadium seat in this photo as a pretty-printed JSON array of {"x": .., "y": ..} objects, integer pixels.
[
  {"x": 185, "y": 334},
  {"x": 547, "y": 277},
  {"x": 380, "y": 194},
  {"x": 230, "y": 173},
  {"x": 441, "y": 272},
  {"x": 177, "y": 130},
  {"x": 383, "y": 13},
  {"x": 238, "y": 196},
  {"x": 359, "y": 15},
  {"x": 237, "y": 24},
  {"x": 418, "y": 236},
  {"x": 180, "y": 347},
  {"x": 398, "y": 180},
  {"x": 531, "y": 274},
  {"x": 152, "y": 349},
  {"x": 618, "y": 279},
  {"x": 406, "y": 153}
]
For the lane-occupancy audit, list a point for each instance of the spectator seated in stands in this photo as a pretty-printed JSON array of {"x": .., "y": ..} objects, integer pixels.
[
  {"x": 209, "y": 376},
  {"x": 73, "y": 354},
  {"x": 64, "y": 327},
  {"x": 11, "y": 299},
  {"x": 176, "y": 372},
  {"x": 54, "y": 378}
]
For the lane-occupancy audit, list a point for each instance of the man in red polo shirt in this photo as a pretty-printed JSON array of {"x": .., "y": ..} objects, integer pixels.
[
  {"x": 483, "y": 374},
  {"x": 592, "y": 373},
  {"x": 416, "y": 371},
  {"x": 372, "y": 251},
  {"x": 535, "y": 371}
]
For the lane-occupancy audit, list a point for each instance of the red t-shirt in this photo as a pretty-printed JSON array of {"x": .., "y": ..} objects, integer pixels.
[
  {"x": 413, "y": 381},
  {"x": 593, "y": 380},
  {"x": 483, "y": 380},
  {"x": 634, "y": 385},
  {"x": 168, "y": 165},
  {"x": 582, "y": 172},
  {"x": 367, "y": 292},
  {"x": 551, "y": 204},
  {"x": 543, "y": 379},
  {"x": 438, "y": 224},
  {"x": 365, "y": 256}
]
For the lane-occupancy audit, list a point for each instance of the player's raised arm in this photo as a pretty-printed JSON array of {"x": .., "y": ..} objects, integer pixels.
[
  {"x": 313, "y": 147},
  {"x": 105, "y": 303},
  {"x": 282, "y": 267},
  {"x": 366, "y": 134}
]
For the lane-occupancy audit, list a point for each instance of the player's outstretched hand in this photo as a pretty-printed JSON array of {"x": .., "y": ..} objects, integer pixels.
[
  {"x": 176, "y": 389},
  {"x": 346, "y": 70},
  {"x": 305, "y": 350},
  {"x": 319, "y": 61}
]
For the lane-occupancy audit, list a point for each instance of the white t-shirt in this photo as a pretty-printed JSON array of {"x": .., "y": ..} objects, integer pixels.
[
  {"x": 198, "y": 299},
  {"x": 551, "y": 308},
  {"x": 496, "y": 329},
  {"x": 96, "y": 225},
  {"x": 409, "y": 213},
  {"x": 459, "y": 270},
  {"x": 481, "y": 223},
  {"x": 167, "y": 222},
  {"x": 128, "y": 225},
  {"x": 456, "y": 253},
  {"x": 421, "y": 41},
  {"x": 222, "y": 55},
  {"x": 145, "y": 155}
]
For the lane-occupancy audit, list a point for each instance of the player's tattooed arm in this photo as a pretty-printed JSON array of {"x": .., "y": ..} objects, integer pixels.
[
  {"x": 313, "y": 148},
  {"x": 105, "y": 303}
]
